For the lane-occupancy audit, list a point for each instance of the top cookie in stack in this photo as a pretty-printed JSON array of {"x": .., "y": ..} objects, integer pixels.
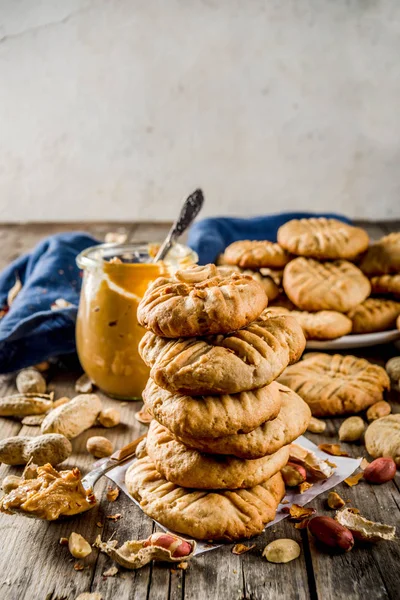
[{"x": 211, "y": 464}]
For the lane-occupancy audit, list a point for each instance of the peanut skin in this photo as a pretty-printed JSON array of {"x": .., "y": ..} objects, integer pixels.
[{"x": 52, "y": 448}]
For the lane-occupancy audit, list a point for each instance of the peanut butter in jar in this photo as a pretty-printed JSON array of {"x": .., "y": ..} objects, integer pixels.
[{"x": 115, "y": 278}]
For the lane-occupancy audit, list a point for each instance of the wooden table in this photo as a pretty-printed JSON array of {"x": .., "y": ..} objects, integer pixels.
[{"x": 34, "y": 566}]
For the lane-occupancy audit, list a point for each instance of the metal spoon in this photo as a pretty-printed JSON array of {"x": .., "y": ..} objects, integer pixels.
[{"x": 189, "y": 212}]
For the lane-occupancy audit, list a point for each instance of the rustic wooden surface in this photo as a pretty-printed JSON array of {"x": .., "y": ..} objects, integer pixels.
[{"x": 34, "y": 566}]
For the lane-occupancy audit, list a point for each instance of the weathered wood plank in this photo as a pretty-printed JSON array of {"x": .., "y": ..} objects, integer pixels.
[
  {"x": 344, "y": 575},
  {"x": 264, "y": 580},
  {"x": 55, "y": 562},
  {"x": 45, "y": 570}
]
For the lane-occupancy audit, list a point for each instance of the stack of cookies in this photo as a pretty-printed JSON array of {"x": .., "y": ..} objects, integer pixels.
[{"x": 210, "y": 465}]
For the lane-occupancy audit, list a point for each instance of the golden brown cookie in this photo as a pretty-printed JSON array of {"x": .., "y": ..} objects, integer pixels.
[
  {"x": 250, "y": 254},
  {"x": 204, "y": 515},
  {"x": 322, "y": 238},
  {"x": 313, "y": 285},
  {"x": 374, "y": 314},
  {"x": 386, "y": 284},
  {"x": 267, "y": 282},
  {"x": 198, "y": 301},
  {"x": 224, "y": 364},
  {"x": 320, "y": 325},
  {"x": 282, "y": 301},
  {"x": 292, "y": 421},
  {"x": 212, "y": 416},
  {"x": 193, "y": 469},
  {"x": 383, "y": 256},
  {"x": 382, "y": 437},
  {"x": 334, "y": 385}
]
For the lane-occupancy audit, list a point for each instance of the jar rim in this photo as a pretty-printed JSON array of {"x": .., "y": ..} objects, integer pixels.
[{"x": 99, "y": 253}]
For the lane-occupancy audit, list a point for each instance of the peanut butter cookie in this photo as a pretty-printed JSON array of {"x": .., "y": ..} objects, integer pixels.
[
  {"x": 383, "y": 256},
  {"x": 320, "y": 325},
  {"x": 313, "y": 285},
  {"x": 250, "y": 254},
  {"x": 335, "y": 385},
  {"x": 191, "y": 468},
  {"x": 292, "y": 421},
  {"x": 382, "y": 437},
  {"x": 322, "y": 238},
  {"x": 198, "y": 301},
  {"x": 212, "y": 416},
  {"x": 225, "y": 364},
  {"x": 374, "y": 314},
  {"x": 204, "y": 515},
  {"x": 386, "y": 284}
]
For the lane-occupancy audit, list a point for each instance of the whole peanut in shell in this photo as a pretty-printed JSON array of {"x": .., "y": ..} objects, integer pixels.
[
  {"x": 74, "y": 417},
  {"x": 53, "y": 448}
]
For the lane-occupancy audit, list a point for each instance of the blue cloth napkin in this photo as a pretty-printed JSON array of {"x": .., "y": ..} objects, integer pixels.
[
  {"x": 210, "y": 237},
  {"x": 31, "y": 332}
]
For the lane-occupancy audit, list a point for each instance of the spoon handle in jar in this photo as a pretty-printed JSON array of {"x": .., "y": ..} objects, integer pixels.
[{"x": 189, "y": 212}]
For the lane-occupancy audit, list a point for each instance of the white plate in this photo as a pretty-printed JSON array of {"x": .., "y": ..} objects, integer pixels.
[{"x": 360, "y": 340}]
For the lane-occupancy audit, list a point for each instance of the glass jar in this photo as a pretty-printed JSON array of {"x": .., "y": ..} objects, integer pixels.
[{"x": 115, "y": 277}]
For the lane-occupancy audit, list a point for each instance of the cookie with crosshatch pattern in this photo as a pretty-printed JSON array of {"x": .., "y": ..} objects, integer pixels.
[
  {"x": 224, "y": 364},
  {"x": 320, "y": 325},
  {"x": 322, "y": 238},
  {"x": 200, "y": 301},
  {"x": 212, "y": 415},
  {"x": 193, "y": 469},
  {"x": 312, "y": 285},
  {"x": 224, "y": 515},
  {"x": 374, "y": 314},
  {"x": 383, "y": 256},
  {"x": 292, "y": 421},
  {"x": 386, "y": 284},
  {"x": 333, "y": 384},
  {"x": 256, "y": 254}
]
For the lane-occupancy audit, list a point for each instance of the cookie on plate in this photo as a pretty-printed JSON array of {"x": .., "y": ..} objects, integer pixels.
[
  {"x": 224, "y": 364},
  {"x": 190, "y": 468},
  {"x": 386, "y": 284},
  {"x": 225, "y": 515},
  {"x": 374, "y": 314},
  {"x": 334, "y": 385},
  {"x": 267, "y": 282},
  {"x": 250, "y": 254},
  {"x": 320, "y": 325},
  {"x": 212, "y": 416},
  {"x": 325, "y": 239},
  {"x": 292, "y": 421},
  {"x": 198, "y": 301},
  {"x": 382, "y": 437},
  {"x": 383, "y": 256},
  {"x": 322, "y": 238},
  {"x": 338, "y": 285}
]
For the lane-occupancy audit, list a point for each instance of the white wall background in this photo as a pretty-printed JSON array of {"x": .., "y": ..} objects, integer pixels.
[{"x": 116, "y": 109}]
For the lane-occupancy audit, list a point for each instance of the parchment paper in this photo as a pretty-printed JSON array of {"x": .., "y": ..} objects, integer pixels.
[{"x": 345, "y": 467}]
